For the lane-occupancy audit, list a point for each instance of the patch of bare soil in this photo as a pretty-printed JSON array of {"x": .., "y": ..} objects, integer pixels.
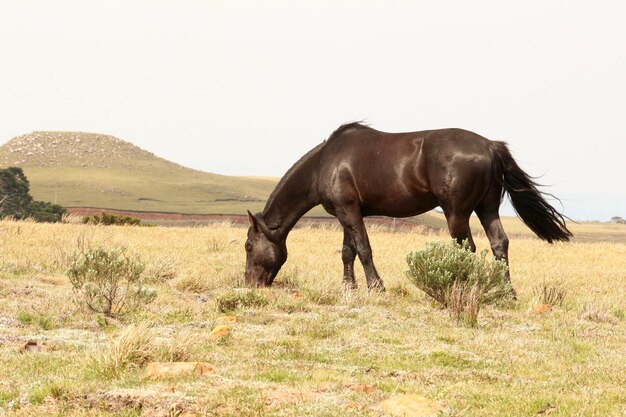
[{"x": 152, "y": 402}]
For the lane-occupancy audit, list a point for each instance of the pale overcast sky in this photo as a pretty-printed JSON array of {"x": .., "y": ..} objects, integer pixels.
[{"x": 247, "y": 87}]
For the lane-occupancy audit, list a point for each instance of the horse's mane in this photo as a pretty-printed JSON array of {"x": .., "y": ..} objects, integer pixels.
[
  {"x": 347, "y": 126},
  {"x": 341, "y": 129}
]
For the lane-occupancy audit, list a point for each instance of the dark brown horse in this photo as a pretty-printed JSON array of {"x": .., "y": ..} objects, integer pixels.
[{"x": 361, "y": 172}]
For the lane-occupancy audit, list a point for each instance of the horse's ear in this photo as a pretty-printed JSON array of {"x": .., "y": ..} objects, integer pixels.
[{"x": 253, "y": 221}]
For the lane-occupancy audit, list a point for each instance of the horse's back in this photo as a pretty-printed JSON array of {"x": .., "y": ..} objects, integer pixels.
[{"x": 402, "y": 174}]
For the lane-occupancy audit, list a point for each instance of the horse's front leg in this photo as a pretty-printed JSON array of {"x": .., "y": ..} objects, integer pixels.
[
  {"x": 348, "y": 254},
  {"x": 352, "y": 221}
]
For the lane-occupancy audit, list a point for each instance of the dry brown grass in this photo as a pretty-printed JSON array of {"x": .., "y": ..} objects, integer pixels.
[
  {"x": 550, "y": 293},
  {"x": 312, "y": 349}
]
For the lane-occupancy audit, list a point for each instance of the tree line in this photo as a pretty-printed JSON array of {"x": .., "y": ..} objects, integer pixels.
[{"x": 16, "y": 201}]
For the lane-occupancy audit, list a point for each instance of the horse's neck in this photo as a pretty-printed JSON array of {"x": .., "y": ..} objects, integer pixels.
[{"x": 294, "y": 195}]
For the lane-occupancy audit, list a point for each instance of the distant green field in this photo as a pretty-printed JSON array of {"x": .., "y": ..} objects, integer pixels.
[{"x": 186, "y": 191}]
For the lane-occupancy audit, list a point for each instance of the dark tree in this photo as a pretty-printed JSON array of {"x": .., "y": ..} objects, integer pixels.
[
  {"x": 42, "y": 211},
  {"x": 14, "y": 193},
  {"x": 16, "y": 201}
]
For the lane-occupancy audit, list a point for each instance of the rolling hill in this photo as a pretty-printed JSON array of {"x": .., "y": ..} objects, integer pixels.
[{"x": 77, "y": 169}]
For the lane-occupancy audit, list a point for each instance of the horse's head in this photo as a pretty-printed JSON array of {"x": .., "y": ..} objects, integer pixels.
[{"x": 264, "y": 258}]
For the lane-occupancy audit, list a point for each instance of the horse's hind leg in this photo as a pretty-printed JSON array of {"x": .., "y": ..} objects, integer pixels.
[
  {"x": 458, "y": 225},
  {"x": 489, "y": 217},
  {"x": 348, "y": 254}
]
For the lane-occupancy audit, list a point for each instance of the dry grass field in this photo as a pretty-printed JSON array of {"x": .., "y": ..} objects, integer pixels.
[{"x": 305, "y": 347}]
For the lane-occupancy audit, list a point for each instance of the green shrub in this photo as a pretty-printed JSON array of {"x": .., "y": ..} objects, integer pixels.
[
  {"x": 111, "y": 282},
  {"x": 237, "y": 299},
  {"x": 108, "y": 219},
  {"x": 458, "y": 279}
]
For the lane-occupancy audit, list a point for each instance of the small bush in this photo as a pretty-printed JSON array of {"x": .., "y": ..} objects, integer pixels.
[
  {"x": 551, "y": 294},
  {"x": 111, "y": 282},
  {"x": 108, "y": 219},
  {"x": 458, "y": 279},
  {"x": 233, "y": 300}
]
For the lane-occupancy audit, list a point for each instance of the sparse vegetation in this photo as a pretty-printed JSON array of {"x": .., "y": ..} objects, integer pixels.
[
  {"x": 309, "y": 348},
  {"x": 111, "y": 282}
]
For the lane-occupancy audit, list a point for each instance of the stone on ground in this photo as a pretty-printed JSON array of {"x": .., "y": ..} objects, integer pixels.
[
  {"x": 172, "y": 369},
  {"x": 219, "y": 332},
  {"x": 542, "y": 308},
  {"x": 411, "y": 405}
]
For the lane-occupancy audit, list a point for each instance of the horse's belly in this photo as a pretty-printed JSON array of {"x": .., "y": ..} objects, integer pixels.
[{"x": 398, "y": 205}]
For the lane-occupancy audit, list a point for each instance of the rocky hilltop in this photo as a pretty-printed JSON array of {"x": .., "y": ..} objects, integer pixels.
[{"x": 76, "y": 149}]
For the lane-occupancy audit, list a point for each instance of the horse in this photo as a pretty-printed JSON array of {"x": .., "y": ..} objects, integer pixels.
[{"x": 359, "y": 171}]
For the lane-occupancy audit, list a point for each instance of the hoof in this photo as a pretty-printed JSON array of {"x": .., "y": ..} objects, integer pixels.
[
  {"x": 378, "y": 287},
  {"x": 350, "y": 286}
]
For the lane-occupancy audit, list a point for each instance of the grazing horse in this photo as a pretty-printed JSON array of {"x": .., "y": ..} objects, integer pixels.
[{"x": 359, "y": 171}]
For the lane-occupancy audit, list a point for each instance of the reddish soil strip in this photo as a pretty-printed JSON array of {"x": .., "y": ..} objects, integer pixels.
[{"x": 167, "y": 218}]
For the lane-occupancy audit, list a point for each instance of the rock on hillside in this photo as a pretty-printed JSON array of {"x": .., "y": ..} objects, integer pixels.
[{"x": 76, "y": 149}]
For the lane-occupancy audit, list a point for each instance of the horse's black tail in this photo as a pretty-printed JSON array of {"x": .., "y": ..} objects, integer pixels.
[{"x": 529, "y": 203}]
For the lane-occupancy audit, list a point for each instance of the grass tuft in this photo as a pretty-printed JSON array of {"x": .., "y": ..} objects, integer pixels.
[
  {"x": 193, "y": 283},
  {"x": 596, "y": 314},
  {"x": 133, "y": 347},
  {"x": 234, "y": 300},
  {"x": 551, "y": 294}
]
